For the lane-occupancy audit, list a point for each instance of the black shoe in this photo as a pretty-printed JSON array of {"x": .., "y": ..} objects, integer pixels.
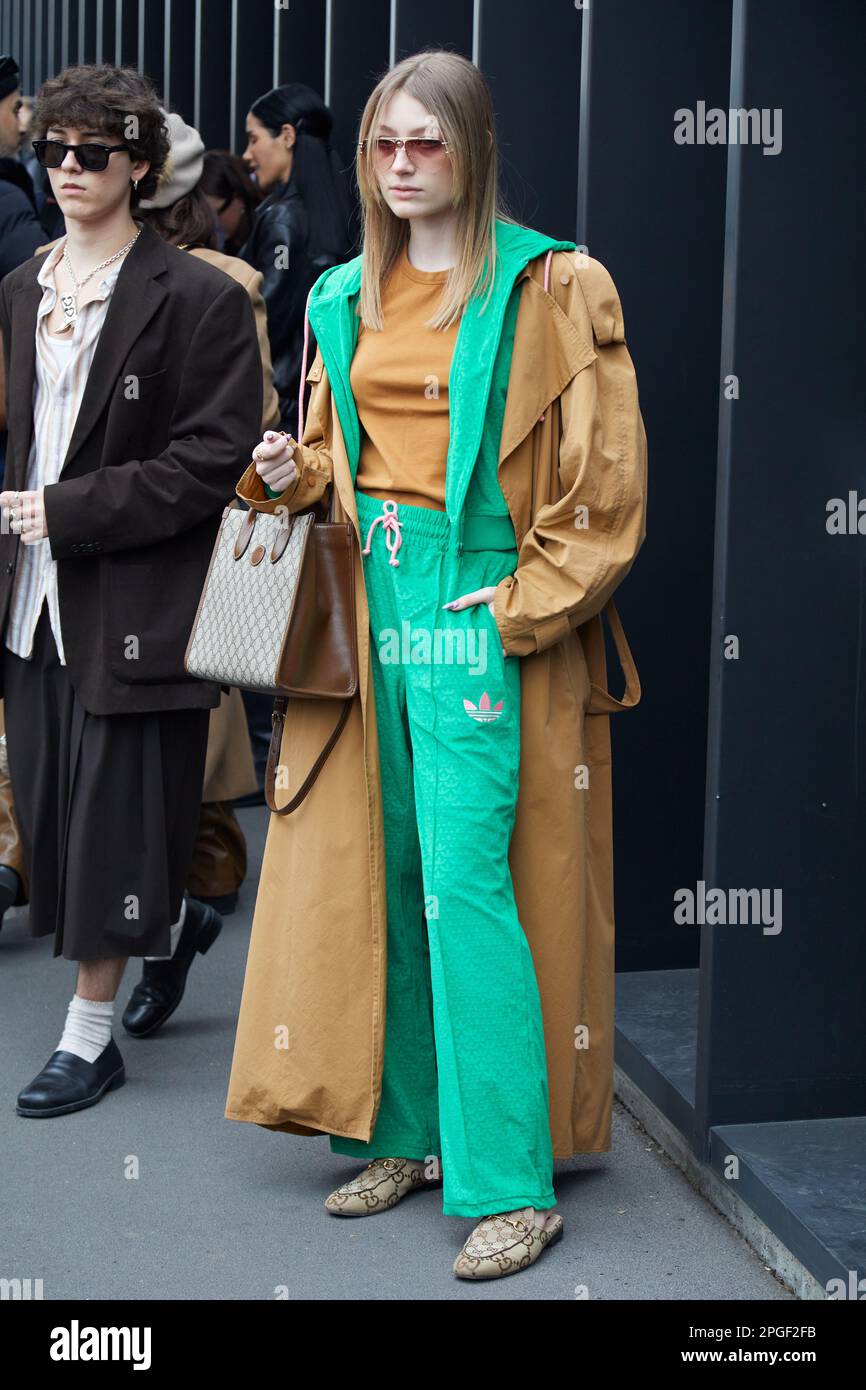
[
  {"x": 10, "y": 888},
  {"x": 68, "y": 1083},
  {"x": 162, "y": 983},
  {"x": 223, "y": 903}
]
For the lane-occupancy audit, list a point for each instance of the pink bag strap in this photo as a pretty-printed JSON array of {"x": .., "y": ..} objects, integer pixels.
[{"x": 300, "y": 434}]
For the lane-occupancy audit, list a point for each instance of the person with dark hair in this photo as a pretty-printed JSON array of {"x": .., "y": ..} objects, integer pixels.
[
  {"x": 20, "y": 228},
  {"x": 135, "y": 385},
  {"x": 46, "y": 208},
  {"x": 179, "y": 212},
  {"x": 20, "y": 234},
  {"x": 302, "y": 227},
  {"x": 233, "y": 196}
]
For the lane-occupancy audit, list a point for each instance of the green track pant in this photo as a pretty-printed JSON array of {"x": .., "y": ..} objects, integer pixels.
[{"x": 465, "y": 1074}]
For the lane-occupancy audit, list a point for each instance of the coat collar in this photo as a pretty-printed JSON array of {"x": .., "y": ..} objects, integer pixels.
[
  {"x": 332, "y": 306},
  {"x": 137, "y": 296}
]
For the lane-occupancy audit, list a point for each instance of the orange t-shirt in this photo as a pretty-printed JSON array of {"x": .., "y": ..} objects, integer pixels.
[{"x": 399, "y": 379}]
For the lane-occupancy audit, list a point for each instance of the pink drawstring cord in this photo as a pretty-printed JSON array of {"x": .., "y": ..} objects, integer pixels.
[
  {"x": 300, "y": 434},
  {"x": 391, "y": 527}
]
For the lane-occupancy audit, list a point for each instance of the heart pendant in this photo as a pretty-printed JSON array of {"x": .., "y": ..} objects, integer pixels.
[{"x": 67, "y": 303}]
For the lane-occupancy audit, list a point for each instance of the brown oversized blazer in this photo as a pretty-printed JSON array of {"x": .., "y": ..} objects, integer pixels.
[{"x": 171, "y": 412}]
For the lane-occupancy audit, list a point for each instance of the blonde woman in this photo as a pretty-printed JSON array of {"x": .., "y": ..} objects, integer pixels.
[{"x": 430, "y": 975}]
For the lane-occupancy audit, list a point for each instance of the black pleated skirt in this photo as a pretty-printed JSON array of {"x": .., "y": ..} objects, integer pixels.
[{"x": 107, "y": 806}]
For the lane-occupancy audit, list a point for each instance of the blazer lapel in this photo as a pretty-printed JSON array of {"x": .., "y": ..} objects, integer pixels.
[
  {"x": 135, "y": 299},
  {"x": 22, "y": 376}
]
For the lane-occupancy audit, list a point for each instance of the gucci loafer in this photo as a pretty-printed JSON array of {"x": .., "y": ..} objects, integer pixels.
[
  {"x": 504, "y": 1244},
  {"x": 162, "y": 983},
  {"x": 67, "y": 1083},
  {"x": 383, "y": 1183}
]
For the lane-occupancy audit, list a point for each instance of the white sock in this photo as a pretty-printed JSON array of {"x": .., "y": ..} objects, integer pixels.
[
  {"x": 88, "y": 1027},
  {"x": 176, "y": 929}
]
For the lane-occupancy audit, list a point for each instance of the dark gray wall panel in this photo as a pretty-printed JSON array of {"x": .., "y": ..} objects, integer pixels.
[
  {"x": 215, "y": 68},
  {"x": 447, "y": 24},
  {"x": 781, "y": 1031},
  {"x": 539, "y": 138},
  {"x": 653, "y": 212}
]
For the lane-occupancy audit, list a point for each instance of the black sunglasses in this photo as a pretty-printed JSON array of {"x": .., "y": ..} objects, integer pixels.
[{"x": 93, "y": 158}]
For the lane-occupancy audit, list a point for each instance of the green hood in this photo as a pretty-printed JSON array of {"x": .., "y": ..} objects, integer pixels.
[{"x": 332, "y": 314}]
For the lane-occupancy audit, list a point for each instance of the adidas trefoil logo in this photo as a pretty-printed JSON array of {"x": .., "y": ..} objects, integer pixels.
[{"x": 483, "y": 711}]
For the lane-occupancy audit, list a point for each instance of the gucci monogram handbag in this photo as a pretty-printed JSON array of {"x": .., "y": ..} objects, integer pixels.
[{"x": 277, "y": 615}]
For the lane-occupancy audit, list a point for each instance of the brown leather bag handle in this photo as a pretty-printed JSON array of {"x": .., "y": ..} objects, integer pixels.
[{"x": 278, "y": 719}]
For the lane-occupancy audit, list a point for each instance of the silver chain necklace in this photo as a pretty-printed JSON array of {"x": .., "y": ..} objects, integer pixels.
[{"x": 69, "y": 302}]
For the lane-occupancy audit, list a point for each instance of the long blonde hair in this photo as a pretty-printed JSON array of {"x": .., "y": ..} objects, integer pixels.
[{"x": 455, "y": 92}]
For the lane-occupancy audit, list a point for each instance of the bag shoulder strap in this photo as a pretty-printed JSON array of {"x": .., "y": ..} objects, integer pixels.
[{"x": 278, "y": 720}]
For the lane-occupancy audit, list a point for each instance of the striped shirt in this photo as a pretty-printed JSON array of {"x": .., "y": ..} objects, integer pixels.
[{"x": 61, "y": 376}]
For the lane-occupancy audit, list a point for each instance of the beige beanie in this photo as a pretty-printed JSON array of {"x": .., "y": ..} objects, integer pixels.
[{"x": 184, "y": 165}]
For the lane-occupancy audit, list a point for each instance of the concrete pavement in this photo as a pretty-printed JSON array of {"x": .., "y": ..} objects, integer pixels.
[{"x": 222, "y": 1210}]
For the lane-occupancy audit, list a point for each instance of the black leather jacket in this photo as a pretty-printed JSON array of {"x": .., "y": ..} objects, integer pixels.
[
  {"x": 278, "y": 246},
  {"x": 20, "y": 229}
]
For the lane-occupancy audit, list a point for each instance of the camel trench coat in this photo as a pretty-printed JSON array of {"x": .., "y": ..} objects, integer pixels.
[{"x": 310, "y": 1039}]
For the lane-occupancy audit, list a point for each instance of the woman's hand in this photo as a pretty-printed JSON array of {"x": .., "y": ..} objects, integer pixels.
[
  {"x": 274, "y": 460},
  {"x": 484, "y": 595},
  {"x": 23, "y": 513}
]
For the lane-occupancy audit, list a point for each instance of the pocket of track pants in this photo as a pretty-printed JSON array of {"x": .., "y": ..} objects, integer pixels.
[
  {"x": 491, "y": 691},
  {"x": 496, "y": 637},
  {"x": 484, "y": 647}
]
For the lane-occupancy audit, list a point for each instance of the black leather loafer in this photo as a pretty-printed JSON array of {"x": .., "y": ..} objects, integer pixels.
[
  {"x": 224, "y": 904},
  {"x": 162, "y": 983},
  {"x": 68, "y": 1083},
  {"x": 10, "y": 889}
]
